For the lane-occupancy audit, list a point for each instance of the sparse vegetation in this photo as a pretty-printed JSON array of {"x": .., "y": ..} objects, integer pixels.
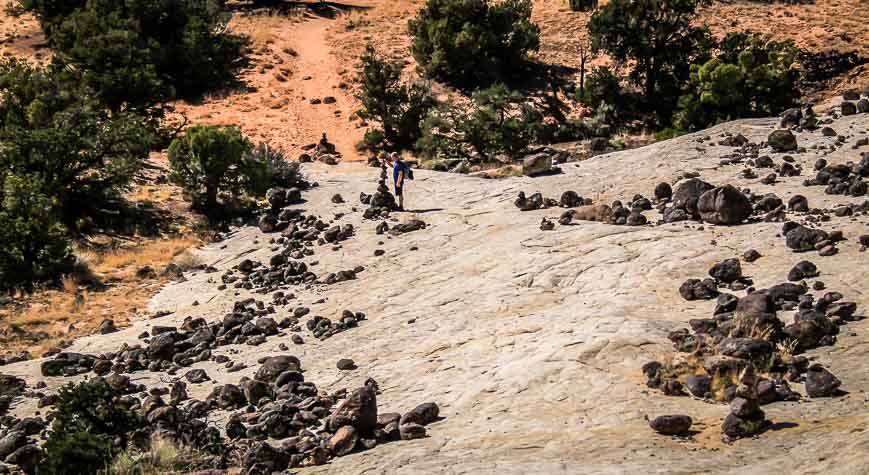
[
  {"x": 63, "y": 159},
  {"x": 582, "y": 5},
  {"x": 52, "y": 131},
  {"x": 474, "y": 43},
  {"x": 162, "y": 456},
  {"x": 272, "y": 167},
  {"x": 398, "y": 109}
]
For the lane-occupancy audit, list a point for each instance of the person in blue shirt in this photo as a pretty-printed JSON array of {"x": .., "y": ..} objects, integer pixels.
[{"x": 400, "y": 173}]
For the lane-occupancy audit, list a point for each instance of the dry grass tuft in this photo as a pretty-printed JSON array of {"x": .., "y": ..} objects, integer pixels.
[
  {"x": 162, "y": 457},
  {"x": 48, "y": 318},
  {"x": 155, "y": 254}
]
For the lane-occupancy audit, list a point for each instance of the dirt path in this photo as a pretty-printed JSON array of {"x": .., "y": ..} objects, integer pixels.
[
  {"x": 317, "y": 75},
  {"x": 292, "y": 64}
]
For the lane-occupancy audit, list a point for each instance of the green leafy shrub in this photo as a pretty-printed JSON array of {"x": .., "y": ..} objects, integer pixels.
[
  {"x": 35, "y": 246},
  {"x": 91, "y": 425},
  {"x": 137, "y": 53},
  {"x": 209, "y": 160},
  {"x": 658, "y": 38},
  {"x": 274, "y": 167},
  {"x": 52, "y": 130},
  {"x": 473, "y": 42},
  {"x": 497, "y": 122},
  {"x": 749, "y": 78},
  {"x": 398, "y": 109}
]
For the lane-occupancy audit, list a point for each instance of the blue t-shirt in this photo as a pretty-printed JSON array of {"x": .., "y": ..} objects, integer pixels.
[{"x": 397, "y": 168}]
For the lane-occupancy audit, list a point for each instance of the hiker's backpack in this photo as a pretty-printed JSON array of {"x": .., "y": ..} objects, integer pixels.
[{"x": 408, "y": 172}]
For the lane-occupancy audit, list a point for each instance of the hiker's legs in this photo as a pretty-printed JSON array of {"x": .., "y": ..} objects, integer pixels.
[{"x": 399, "y": 192}]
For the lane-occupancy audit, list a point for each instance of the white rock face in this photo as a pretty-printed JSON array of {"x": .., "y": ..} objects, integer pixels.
[{"x": 531, "y": 342}]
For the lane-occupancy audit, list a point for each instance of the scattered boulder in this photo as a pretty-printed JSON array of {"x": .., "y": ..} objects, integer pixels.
[
  {"x": 803, "y": 270},
  {"x": 696, "y": 289},
  {"x": 688, "y": 193},
  {"x": 663, "y": 191},
  {"x": 358, "y": 410},
  {"x": 782, "y": 141},
  {"x": 537, "y": 164},
  {"x": 107, "y": 326},
  {"x": 800, "y": 238},
  {"x": 848, "y": 108},
  {"x": 344, "y": 441},
  {"x": 751, "y": 255},
  {"x": 724, "y": 205},
  {"x": 423, "y": 414},
  {"x": 346, "y": 364},
  {"x": 727, "y": 271},
  {"x": 820, "y": 382},
  {"x": 671, "y": 424}
]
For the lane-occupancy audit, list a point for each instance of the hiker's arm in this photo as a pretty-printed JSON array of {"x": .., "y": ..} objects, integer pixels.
[{"x": 400, "y": 180}]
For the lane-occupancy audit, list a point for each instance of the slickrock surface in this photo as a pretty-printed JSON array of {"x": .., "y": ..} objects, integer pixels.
[{"x": 532, "y": 342}]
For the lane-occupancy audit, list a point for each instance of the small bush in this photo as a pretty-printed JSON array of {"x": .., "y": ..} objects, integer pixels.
[
  {"x": 91, "y": 425},
  {"x": 398, "y": 109},
  {"x": 473, "y": 43},
  {"x": 275, "y": 168},
  {"x": 498, "y": 122},
  {"x": 35, "y": 246},
  {"x": 209, "y": 160}
]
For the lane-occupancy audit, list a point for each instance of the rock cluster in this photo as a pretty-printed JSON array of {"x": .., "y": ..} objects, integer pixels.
[
  {"x": 311, "y": 425},
  {"x": 744, "y": 354},
  {"x": 569, "y": 199},
  {"x": 322, "y": 151},
  {"x": 382, "y": 201},
  {"x": 843, "y": 179}
]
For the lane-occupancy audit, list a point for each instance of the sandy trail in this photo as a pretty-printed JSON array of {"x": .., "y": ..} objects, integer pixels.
[
  {"x": 315, "y": 61},
  {"x": 275, "y": 104}
]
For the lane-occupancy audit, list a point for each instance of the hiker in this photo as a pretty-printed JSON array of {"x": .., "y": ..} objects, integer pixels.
[{"x": 401, "y": 171}]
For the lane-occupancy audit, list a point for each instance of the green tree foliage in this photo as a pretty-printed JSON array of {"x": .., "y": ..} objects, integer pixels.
[
  {"x": 398, "y": 109},
  {"x": 209, "y": 160},
  {"x": 658, "y": 39},
  {"x": 749, "y": 77},
  {"x": 48, "y": 12},
  {"x": 52, "y": 130},
  {"x": 91, "y": 424},
  {"x": 473, "y": 42},
  {"x": 498, "y": 121},
  {"x": 137, "y": 53},
  {"x": 35, "y": 246}
]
